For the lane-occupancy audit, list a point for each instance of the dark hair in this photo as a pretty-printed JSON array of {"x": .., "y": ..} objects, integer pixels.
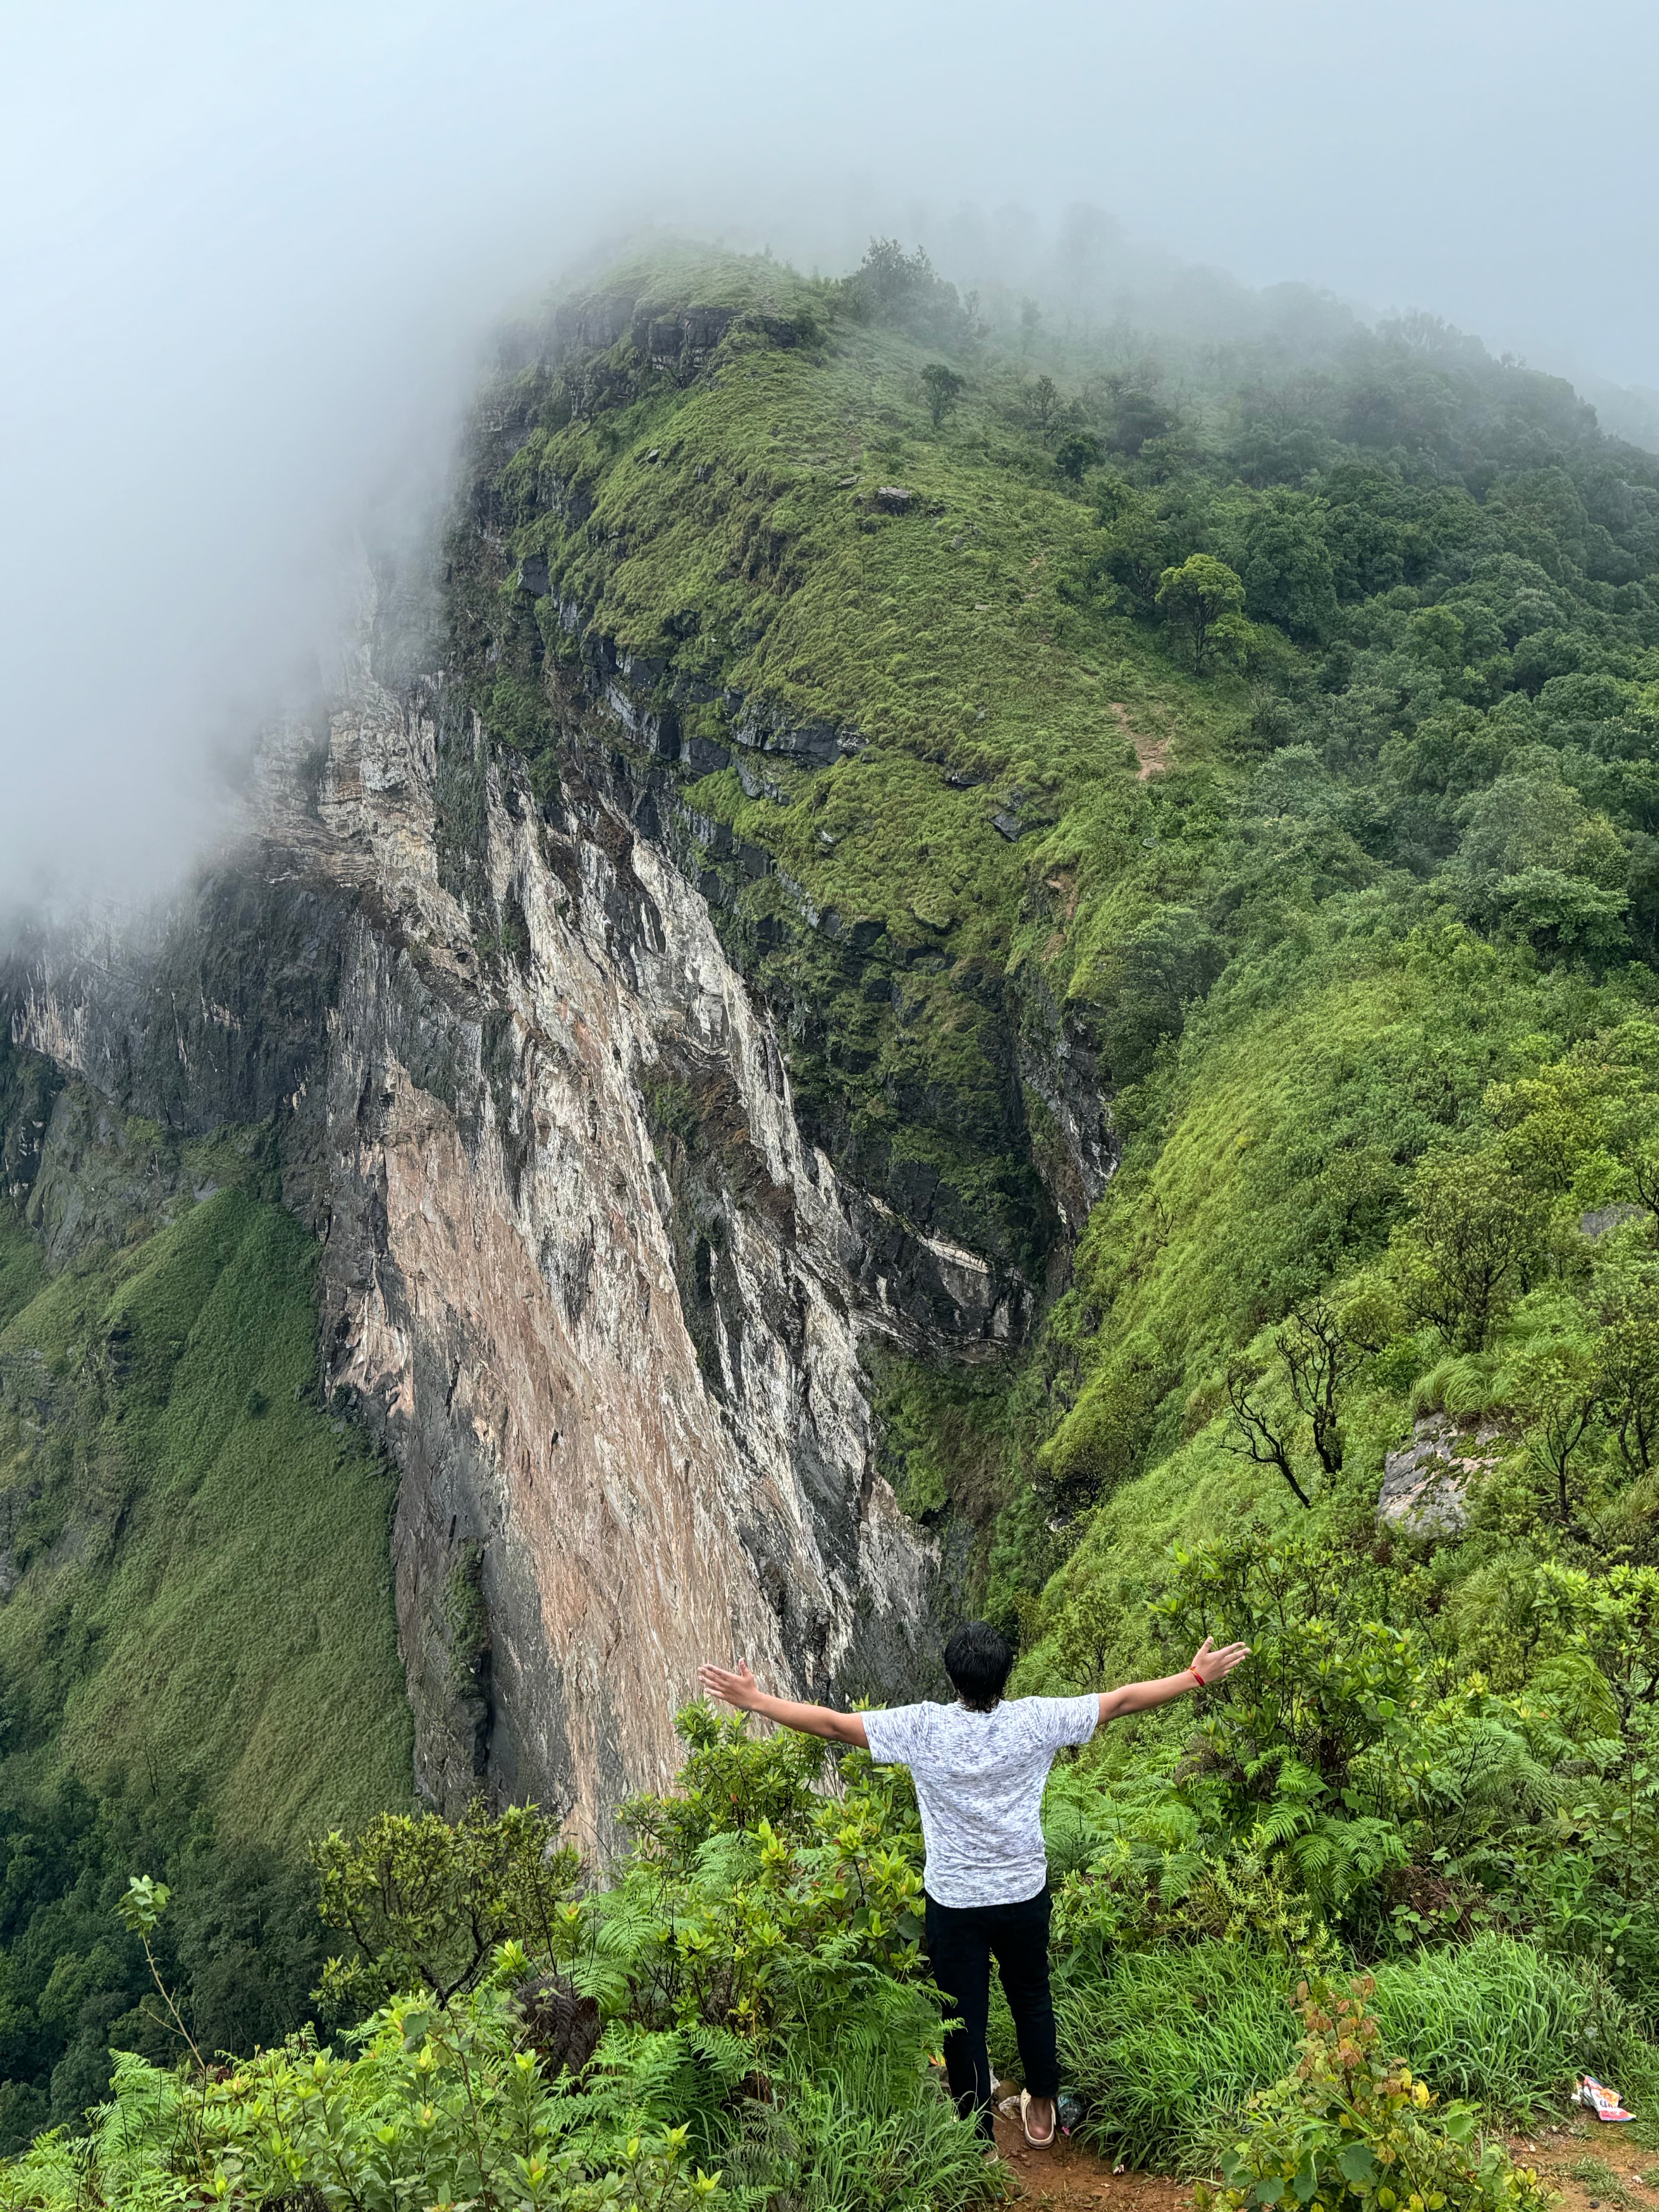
[{"x": 977, "y": 1659}]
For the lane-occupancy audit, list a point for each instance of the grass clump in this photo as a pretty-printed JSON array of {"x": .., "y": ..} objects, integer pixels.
[
  {"x": 1607, "y": 2187},
  {"x": 1496, "y": 2021},
  {"x": 1169, "y": 2046}
]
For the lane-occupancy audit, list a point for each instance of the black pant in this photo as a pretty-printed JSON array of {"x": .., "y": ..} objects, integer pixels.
[{"x": 962, "y": 1941}]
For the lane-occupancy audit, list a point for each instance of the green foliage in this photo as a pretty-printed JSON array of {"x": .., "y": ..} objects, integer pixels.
[
  {"x": 1500, "y": 2020},
  {"x": 721, "y": 1922},
  {"x": 1292, "y": 791},
  {"x": 899, "y": 289},
  {"x": 1350, "y": 2128},
  {"x": 1078, "y": 454},
  {"x": 730, "y": 1783},
  {"x": 427, "y": 1903},
  {"x": 859, "y": 2142},
  {"x": 766, "y": 2016},
  {"x": 203, "y": 1603},
  {"x": 943, "y": 388},
  {"x": 1197, "y": 597},
  {"x": 197, "y": 1648},
  {"x": 1170, "y": 2044},
  {"x": 239, "y": 1945},
  {"x": 437, "y": 2103}
]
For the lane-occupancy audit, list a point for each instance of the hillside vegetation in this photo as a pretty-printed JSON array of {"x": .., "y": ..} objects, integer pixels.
[
  {"x": 1229, "y": 767},
  {"x": 1274, "y": 726},
  {"x": 198, "y": 1660}
]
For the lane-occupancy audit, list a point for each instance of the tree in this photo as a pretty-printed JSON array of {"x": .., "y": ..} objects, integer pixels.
[
  {"x": 1195, "y": 596},
  {"x": 1286, "y": 569},
  {"x": 1078, "y": 454},
  {"x": 427, "y": 1903},
  {"x": 1146, "y": 981},
  {"x": 1255, "y": 1435},
  {"x": 902, "y": 290},
  {"x": 1557, "y": 1391},
  {"x": 1469, "y": 1249},
  {"x": 1043, "y": 400},
  {"x": 1132, "y": 551},
  {"x": 943, "y": 388},
  {"x": 1137, "y": 417},
  {"x": 1319, "y": 1360},
  {"x": 1627, "y": 1368}
]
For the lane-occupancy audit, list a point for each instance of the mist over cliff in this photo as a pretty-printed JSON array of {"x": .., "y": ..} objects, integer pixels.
[{"x": 252, "y": 264}]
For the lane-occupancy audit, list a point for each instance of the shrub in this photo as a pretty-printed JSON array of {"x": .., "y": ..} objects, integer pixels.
[
  {"x": 437, "y": 2106},
  {"x": 1348, "y": 2130},
  {"x": 426, "y": 1903}
]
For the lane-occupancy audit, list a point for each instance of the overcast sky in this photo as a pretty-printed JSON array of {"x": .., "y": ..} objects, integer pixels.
[{"x": 246, "y": 254}]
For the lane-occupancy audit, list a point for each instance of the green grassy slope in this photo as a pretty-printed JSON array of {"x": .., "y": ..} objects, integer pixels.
[
  {"x": 1303, "y": 903},
  {"x": 1350, "y": 903},
  {"x": 730, "y": 526},
  {"x": 202, "y": 1597}
]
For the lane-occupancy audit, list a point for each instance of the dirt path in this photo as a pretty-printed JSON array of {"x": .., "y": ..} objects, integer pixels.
[
  {"x": 1152, "y": 753},
  {"x": 1592, "y": 2168},
  {"x": 1070, "y": 2176}
]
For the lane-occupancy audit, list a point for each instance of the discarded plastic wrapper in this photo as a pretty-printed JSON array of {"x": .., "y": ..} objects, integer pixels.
[{"x": 1597, "y": 2098}]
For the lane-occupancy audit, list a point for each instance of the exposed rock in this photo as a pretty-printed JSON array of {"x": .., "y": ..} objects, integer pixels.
[
  {"x": 533, "y": 577},
  {"x": 1010, "y": 825},
  {"x": 1600, "y": 1219},
  {"x": 1426, "y": 1483},
  {"x": 892, "y": 499},
  {"x": 622, "y": 1382}
]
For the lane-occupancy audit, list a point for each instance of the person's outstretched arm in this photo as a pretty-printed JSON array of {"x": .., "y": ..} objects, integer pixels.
[
  {"x": 740, "y": 1689},
  {"x": 1208, "y": 1665}
]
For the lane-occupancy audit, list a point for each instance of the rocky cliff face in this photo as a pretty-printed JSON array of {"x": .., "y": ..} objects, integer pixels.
[{"x": 580, "y": 1268}]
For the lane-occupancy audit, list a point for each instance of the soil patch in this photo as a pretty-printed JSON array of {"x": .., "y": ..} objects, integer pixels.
[
  {"x": 1565, "y": 2154},
  {"x": 1152, "y": 753},
  {"x": 1568, "y": 2154},
  {"x": 1076, "y": 2180}
]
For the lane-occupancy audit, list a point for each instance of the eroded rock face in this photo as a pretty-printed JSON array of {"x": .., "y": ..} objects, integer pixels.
[
  {"x": 580, "y": 1268},
  {"x": 1426, "y": 1482}
]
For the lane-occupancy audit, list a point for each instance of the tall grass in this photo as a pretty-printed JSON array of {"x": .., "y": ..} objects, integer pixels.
[
  {"x": 824, "y": 2148},
  {"x": 1168, "y": 2046},
  {"x": 1495, "y": 2019}
]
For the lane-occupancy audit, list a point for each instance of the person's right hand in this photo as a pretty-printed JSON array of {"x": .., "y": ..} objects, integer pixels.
[
  {"x": 739, "y": 1688},
  {"x": 1211, "y": 1665}
]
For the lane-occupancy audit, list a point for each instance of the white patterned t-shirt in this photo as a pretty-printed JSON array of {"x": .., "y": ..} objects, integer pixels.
[{"x": 979, "y": 1780}]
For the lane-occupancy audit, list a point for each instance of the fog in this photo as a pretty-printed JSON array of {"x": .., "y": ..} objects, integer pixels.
[{"x": 249, "y": 258}]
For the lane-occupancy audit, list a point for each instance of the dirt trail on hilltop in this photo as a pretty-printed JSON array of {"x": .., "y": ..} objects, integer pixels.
[{"x": 1072, "y": 2179}]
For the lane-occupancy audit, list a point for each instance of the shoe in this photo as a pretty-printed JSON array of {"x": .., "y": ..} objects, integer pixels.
[{"x": 1037, "y": 2143}]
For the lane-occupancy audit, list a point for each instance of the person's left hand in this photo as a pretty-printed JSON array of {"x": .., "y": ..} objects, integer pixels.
[
  {"x": 1211, "y": 1665},
  {"x": 739, "y": 1688}
]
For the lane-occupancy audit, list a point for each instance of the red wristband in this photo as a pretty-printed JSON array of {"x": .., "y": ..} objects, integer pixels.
[{"x": 1198, "y": 1678}]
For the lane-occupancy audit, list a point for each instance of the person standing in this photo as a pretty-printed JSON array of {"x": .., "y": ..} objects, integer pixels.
[{"x": 980, "y": 1767}]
